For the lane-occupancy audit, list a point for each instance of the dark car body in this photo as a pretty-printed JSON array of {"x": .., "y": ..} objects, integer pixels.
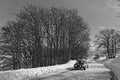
[{"x": 80, "y": 64}]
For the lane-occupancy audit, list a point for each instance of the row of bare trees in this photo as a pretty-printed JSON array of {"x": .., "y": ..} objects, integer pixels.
[
  {"x": 109, "y": 41},
  {"x": 42, "y": 37}
]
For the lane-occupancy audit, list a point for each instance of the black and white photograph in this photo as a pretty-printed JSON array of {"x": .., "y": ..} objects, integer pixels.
[{"x": 59, "y": 39}]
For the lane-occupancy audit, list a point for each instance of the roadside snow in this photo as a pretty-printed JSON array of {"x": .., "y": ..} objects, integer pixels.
[
  {"x": 116, "y": 60},
  {"x": 114, "y": 66},
  {"x": 21, "y": 74},
  {"x": 102, "y": 58}
]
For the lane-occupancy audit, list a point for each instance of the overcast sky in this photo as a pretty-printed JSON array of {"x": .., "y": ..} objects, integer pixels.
[{"x": 98, "y": 13}]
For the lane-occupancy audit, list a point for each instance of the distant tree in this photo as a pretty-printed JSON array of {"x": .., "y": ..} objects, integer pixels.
[{"x": 108, "y": 39}]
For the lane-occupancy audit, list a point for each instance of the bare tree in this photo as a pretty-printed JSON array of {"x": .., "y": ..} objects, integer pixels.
[
  {"x": 108, "y": 39},
  {"x": 44, "y": 36}
]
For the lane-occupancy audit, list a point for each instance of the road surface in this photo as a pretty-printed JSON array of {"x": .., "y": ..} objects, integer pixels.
[{"x": 96, "y": 71}]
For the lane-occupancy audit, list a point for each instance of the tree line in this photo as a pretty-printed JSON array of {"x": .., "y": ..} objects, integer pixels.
[
  {"x": 43, "y": 36},
  {"x": 108, "y": 41}
]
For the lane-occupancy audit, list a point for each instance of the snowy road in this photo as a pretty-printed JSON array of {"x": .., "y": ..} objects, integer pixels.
[{"x": 95, "y": 71}]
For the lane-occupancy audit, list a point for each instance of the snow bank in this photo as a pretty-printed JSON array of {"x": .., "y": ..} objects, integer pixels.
[
  {"x": 102, "y": 58},
  {"x": 114, "y": 66},
  {"x": 21, "y": 74},
  {"x": 116, "y": 60}
]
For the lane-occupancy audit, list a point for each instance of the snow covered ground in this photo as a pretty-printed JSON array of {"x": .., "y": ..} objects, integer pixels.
[
  {"x": 21, "y": 74},
  {"x": 97, "y": 67},
  {"x": 96, "y": 71},
  {"x": 102, "y": 58},
  {"x": 114, "y": 66}
]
